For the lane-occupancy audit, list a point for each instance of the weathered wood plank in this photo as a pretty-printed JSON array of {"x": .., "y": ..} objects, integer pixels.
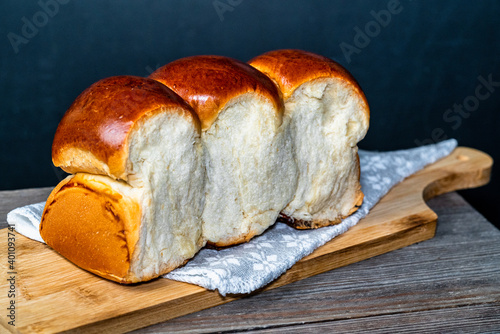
[
  {"x": 460, "y": 266},
  {"x": 466, "y": 319}
]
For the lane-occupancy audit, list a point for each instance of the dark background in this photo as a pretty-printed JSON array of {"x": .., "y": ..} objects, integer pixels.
[{"x": 425, "y": 58}]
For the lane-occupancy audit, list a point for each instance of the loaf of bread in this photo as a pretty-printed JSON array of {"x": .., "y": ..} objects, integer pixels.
[
  {"x": 329, "y": 115},
  {"x": 208, "y": 149},
  {"x": 251, "y": 171},
  {"x": 132, "y": 209}
]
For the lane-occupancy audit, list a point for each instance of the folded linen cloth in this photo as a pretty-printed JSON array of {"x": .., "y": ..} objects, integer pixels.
[{"x": 251, "y": 266}]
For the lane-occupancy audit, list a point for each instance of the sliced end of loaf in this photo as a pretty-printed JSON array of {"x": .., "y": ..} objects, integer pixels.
[{"x": 328, "y": 119}]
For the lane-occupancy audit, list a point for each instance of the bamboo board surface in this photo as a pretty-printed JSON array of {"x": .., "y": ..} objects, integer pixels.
[{"x": 53, "y": 295}]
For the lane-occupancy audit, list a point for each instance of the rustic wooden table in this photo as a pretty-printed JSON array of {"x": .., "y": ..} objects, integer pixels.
[{"x": 450, "y": 283}]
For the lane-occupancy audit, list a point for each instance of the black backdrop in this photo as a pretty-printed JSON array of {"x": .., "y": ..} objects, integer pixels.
[{"x": 430, "y": 69}]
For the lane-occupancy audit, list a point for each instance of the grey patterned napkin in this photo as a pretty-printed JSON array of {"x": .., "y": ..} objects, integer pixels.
[{"x": 253, "y": 265}]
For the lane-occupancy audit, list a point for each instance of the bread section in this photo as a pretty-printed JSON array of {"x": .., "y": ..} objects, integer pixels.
[
  {"x": 132, "y": 210},
  {"x": 328, "y": 115}
]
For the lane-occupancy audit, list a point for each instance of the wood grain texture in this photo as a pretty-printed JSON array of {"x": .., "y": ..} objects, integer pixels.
[
  {"x": 54, "y": 295},
  {"x": 446, "y": 284},
  {"x": 463, "y": 319}
]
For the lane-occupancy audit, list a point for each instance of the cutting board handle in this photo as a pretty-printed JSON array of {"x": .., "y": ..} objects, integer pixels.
[{"x": 464, "y": 168}]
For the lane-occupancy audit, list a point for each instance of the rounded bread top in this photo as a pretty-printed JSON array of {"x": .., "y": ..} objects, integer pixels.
[
  {"x": 93, "y": 134},
  {"x": 290, "y": 68},
  {"x": 208, "y": 83}
]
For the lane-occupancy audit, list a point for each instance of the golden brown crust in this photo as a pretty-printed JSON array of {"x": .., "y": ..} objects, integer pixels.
[
  {"x": 290, "y": 68},
  {"x": 239, "y": 239},
  {"x": 94, "y": 131},
  {"x": 93, "y": 226},
  {"x": 301, "y": 224},
  {"x": 207, "y": 83}
]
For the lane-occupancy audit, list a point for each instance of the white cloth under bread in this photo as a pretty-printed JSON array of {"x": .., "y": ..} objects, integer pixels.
[{"x": 251, "y": 266}]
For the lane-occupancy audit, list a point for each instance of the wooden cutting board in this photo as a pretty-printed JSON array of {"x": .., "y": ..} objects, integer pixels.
[{"x": 53, "y": 295}]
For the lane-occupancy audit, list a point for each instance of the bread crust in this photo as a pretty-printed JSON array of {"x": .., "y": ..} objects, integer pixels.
[
  {"x": 93, "y": 226},
  {"x": 207, "y": 83},
  {"x": 290, "y": 68},
  {"x": 301, "y": 224},
  {"x": 93, "y": 134}
]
